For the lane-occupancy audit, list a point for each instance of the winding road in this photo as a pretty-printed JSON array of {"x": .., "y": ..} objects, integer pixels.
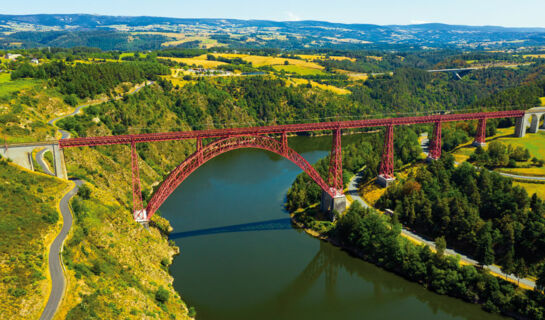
[
  {"x": 58, "y": 283},
  {"x": 41, "y": 162},
  {"x": 56, "y": 266}
]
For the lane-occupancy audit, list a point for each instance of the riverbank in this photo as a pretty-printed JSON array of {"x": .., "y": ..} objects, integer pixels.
[
  {"x": 116, "y": 267},
  {"x": 372, "y": 237}
]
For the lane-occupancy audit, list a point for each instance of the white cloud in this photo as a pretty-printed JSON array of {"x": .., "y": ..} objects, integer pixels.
[
  {"x": 419, "y": 22},
  {"x": 290, "y": 16}
]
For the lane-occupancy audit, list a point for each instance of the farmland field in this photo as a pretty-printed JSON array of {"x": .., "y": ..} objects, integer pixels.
[
  {"x": 323, "y": 57},
  {"x": 532, "y": 188},
  {"x": 260, "y": 61},
  {"x": 301, "y": 70},
  {"x": 331, "y": 88}
]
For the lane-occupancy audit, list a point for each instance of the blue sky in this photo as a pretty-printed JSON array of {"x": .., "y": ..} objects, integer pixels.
[{"x": 522, "y": 13}]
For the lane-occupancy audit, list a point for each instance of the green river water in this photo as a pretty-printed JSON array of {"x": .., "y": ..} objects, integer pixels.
[{"x": 242, "y": 259}]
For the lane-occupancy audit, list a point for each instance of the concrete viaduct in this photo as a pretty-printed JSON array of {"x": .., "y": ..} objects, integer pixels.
[{"x": 532, "y": 118}]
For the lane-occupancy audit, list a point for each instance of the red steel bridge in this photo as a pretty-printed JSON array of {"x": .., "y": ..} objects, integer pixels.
[{"x": 263, "y": 138}]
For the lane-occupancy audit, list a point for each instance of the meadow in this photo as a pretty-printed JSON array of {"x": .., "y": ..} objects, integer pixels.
[
  {"x": 534, "y": 142},
  {"x": 8, "y": 87},
  {"x": 300, "y": 70}
]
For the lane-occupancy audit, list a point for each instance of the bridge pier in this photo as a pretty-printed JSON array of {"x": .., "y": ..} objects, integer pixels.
[
  {"x": 435, "y": 150},
  {"x": 330, "y": 205},
  {"x": 534, "y": 126},
  {"x": 520, "y": 126},
  {"x": 480, "y": 135},
  {"x": 386, "y": 173}
]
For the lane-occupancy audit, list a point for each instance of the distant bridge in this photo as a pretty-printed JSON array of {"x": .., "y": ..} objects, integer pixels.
[{"x": 460, "y": 72}]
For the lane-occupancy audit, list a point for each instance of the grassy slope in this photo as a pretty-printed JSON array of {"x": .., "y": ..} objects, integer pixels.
[
  {"x": 116, "y": 266},
  {"x": 27, "y": 201},
  {"x": 25, "y": 107},
  {"x": 106, "y": 235}
]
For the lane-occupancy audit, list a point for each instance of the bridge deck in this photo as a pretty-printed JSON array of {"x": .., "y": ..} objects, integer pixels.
[{"x": 288, "y": 128}]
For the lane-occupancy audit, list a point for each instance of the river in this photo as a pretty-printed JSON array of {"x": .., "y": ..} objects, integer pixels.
[{"x": 242, "y": 259}]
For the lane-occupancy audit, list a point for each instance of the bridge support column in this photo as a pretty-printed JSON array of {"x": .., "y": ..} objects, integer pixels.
[
  {"x": 435, "y": 147},
  {"x": 333, "y": 205},
  {"x": 139, "y": 213},
  {"x": 58, "y": 159},
  {"x": 199, "y": 150},
  {"x": 534, "y": 125},
  {"x": 480, "y": 135},
  {"x": 543, "y": 125},
  {"x": 336, "y": 163},
  {"x": 284, "y": 143},
  {"x": 386, "y": 172},
  {"x": 520, "y": 127}
]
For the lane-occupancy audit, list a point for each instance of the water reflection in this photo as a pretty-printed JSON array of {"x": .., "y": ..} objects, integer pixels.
[{"x": 275, "y": 224}]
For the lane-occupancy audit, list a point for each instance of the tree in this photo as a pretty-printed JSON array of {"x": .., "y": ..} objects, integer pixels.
[
  {"x": 485, "y": 252},
  {"x": 84, "y": 192},
  {"x": 440, "y": 246},
  {"x": 540, "y": 283}
]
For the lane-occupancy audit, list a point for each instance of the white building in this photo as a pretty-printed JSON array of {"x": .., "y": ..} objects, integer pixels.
[{"x": 13, "y": 56}]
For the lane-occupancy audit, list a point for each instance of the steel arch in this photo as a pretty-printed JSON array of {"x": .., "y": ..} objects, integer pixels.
[{"x": 220, "y": 146}]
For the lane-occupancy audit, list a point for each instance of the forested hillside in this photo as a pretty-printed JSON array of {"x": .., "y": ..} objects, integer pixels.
[{"x": 478, "y": 212}]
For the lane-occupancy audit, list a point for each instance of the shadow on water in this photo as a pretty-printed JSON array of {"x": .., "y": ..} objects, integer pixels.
[{"x": 268, "y": 225}]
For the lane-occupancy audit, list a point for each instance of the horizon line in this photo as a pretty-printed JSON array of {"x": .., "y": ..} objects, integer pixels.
[{"x": 278, "y": 21}]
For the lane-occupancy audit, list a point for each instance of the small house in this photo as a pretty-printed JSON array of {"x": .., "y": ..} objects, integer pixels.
[{"x": 12, "y": 56}]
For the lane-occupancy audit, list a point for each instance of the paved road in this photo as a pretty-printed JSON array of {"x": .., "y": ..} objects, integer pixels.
[
  {"x": 55, "y": 259},
  {"x": 354, "y": 194},
  {"x": 41, "y": 162},
  {"x": 58, "y": 283},
  {"x": 516, "y": 176}
]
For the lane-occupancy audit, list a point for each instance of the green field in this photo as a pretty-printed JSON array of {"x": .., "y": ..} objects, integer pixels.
[
  {"x": 542, "y": 99},
  {"x": 535, "y": 142},
  {"x": 131, "y": 54},
  {"x": 8, "y": 87},
  {"x": 300, "y": 70},
  {"x": 532, "y": 188}
]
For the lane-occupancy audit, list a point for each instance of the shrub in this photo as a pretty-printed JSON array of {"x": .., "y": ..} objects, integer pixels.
[
  {"x": 84, "y": 192},
  {"x": 162, "y": 295},
  {"x": 51, "y": 217}
]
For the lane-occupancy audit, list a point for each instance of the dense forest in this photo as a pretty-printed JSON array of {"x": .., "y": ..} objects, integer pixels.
[
  {"x": 479, "y": 213},
  {"x": 89, "y": 80}
]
